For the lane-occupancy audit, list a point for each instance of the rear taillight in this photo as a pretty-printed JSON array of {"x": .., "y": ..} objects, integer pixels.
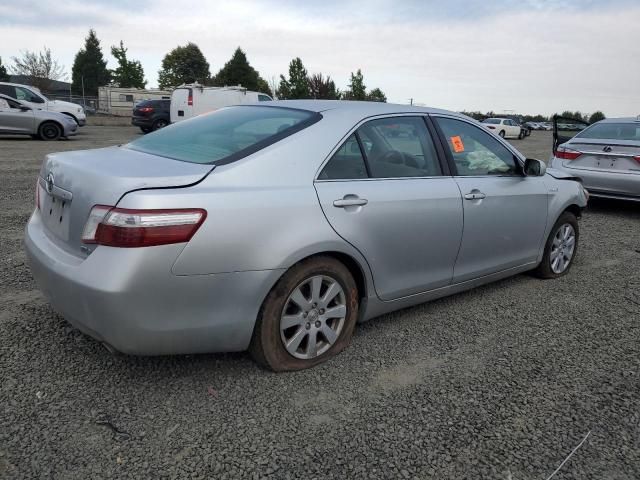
[
  {"x": 637, "y": 158},
  {"x": 566, "y": 153},
  {"x": 190, "y": 99},
  {"x": 145, "y": 109},
  {"x": 125, "y": 228}
]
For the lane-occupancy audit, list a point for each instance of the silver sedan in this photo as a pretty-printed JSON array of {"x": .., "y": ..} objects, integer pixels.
[
  {"x": 18, "y": 118},
  {"x": 277, "y": 228},
  {"x": 606, "y": 156}
]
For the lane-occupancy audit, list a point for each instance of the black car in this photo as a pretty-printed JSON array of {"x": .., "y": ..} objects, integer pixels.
[{"x": 151, "y": 115}]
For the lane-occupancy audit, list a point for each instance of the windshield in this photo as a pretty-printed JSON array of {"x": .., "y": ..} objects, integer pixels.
[
  {"x": 612, "y": 131},
  {"x": 494, "y": 121},
  {"x": 225, "y": 135}
]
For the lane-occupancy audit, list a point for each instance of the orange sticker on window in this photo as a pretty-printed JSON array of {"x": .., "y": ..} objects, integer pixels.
[{"x": 458, "y": 146}]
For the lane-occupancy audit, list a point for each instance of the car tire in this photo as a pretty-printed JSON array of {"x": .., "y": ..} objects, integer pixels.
[
  {"x": 282, "y": 319},
  {"x": 158, "y": 124},
  {"x": 145, "y": 129},
  {"x": 502, "y": 133},
  {"x": 50, "y": 131},
  {"x": 557, "y": 247},
  {"x": 521, "y": 135}
]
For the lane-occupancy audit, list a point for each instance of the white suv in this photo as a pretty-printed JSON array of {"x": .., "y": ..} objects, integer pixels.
[{"x": 35, "y": 99}]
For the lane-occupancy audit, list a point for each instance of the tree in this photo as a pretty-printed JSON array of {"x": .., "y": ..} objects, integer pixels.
[
  {"x": 39, "y": 68},
  {"x": 89, "y": 67},
  {"x": 129, "y": 72},
  {"x": 183, "y": 65},
  {"x": 357, "y": 88},
  {"x": 4, "y": 76},
  {"x": 596, "y": 117},
  {"x": 238, "y": 71},
  {"x": 296, "y": 86},
  {"x": 376, "y": 95},
  {"x": 322, "y": 88}
]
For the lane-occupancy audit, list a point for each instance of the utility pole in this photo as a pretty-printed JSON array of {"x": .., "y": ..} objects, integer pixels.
[
  {"x": 411, "y": 101},
  {"x": 84, "y": 102}
]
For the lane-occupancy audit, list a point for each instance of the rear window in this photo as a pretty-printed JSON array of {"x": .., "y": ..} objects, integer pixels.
[
  {"x": 493, "y": 121},
  {"x": 225, "y": 135},
  {"x": 612, "y": 131}
]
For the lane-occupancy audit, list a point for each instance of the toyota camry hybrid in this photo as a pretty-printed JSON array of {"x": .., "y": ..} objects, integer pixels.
[{"x": 276, "y": 228}]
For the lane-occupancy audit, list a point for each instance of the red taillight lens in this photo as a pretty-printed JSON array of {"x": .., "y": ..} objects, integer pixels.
[
  {"x": 145, "y": 109},
  {"x": 567, "y": 154},
  {"x": 637, "y": 158},
  {"x": 125, "y": 228},
  {"x": 190, "y": 100}
]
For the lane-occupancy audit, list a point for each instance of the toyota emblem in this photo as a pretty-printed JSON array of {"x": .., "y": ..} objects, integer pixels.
[
  {"x": 50, "y": 182},
  {"x": 607, "y": 149}
]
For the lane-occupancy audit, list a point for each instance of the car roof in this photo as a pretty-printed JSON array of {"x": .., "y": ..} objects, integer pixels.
[{"x": 355, "y": 107}]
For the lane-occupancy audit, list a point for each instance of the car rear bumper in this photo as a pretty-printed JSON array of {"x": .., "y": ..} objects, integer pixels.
[
  {"x": 142, "y": 122},
  {"x": 70, "y": 130},
  {"x": 82, "y": 121},
  {"x": 130, "y": 300},
  {"x": 603, "y": 183}
]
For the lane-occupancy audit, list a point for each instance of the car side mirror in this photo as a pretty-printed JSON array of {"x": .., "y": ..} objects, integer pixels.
[
  {"x": 24, "y": 108},
  {"x": 534, "y": 167}
]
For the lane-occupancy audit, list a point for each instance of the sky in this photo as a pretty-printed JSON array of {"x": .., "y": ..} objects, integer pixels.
[{"x": 525, "y": 56}]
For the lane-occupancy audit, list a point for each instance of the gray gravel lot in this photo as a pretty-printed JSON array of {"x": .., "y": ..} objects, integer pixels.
[{"x": 499, "y": 382}]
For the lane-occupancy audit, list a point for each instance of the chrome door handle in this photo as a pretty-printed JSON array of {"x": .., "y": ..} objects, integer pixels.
[
  {"x": 350, "y": 202},
  {"x": 474, "y": 196}
]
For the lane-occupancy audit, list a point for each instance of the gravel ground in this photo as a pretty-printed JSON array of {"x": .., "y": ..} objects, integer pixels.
[{"x": 499, "y": 382}]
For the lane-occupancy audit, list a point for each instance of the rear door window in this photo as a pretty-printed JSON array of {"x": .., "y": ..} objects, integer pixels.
[
  {"x": 225, "y": 135},
  {"x": 346, "y": 164},
  {"x": 474, "y": 151},
  {"x": 399, "y": 147}
]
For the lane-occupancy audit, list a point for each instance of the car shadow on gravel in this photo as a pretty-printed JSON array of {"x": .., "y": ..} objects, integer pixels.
[{"x": 610, "y": 206}]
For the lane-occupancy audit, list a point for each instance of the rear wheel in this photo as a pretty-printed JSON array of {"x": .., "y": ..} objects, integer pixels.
[
  {"x": 160, "y": 123},
  {"x": 501, "y": 133},
  {"x": 521, "y": 135},
  {"x": 145, "y": 129},
  {"x": 50, "y": 131},
  {"x": 561, "y": 247},
  {"x": 307, "y": 318}
]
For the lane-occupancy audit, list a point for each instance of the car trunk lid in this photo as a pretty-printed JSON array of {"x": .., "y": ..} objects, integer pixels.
[
  {"x": 71, "y": 183},
  {"x": 619, "y": 156}
]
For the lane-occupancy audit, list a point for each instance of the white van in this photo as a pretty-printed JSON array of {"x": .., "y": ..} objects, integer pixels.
[
  {"x": 190, "y": 100},
  {"x": 35, "y": 99}
]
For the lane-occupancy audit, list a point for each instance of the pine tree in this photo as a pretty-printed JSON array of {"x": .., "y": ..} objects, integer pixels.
[
  {"x": 129, "y": 72},
  {"x": 238, "y": 71},
  {"x": 4, "y": 76},
  {"x": 357, "y": 88},
  {"x": 90, "y": 67},
  {"x": 297, "y": 85}
]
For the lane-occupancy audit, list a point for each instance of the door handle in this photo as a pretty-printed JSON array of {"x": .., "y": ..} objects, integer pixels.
[
  {"x": 474, "y": 195},
  {"x": 350, "y": 201}
]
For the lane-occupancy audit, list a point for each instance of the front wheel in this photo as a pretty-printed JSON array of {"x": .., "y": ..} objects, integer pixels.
[
  {"x": 307, "y": 318},
  {"x": 521, "y": 135},
  {"x": 502, "y": 133},
  {"x": 561, "y": 247},
  {"x": 49, "y": 131}
]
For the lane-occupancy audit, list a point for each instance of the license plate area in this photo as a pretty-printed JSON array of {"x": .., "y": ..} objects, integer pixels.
[{"x": 56, "y": 214}]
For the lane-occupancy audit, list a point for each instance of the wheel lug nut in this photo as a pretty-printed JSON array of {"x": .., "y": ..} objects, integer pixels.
[
  {"x": 318, "y": 323},
  {"x": 321, "y": 311},
  {"x": 305, "y": 314},
  {"x": 307, "y": 326}
]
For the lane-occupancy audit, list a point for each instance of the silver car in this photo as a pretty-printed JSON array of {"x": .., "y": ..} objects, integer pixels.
[
  {"x": 606, "y": 156},
  {"x": 17, "y": 118},
  {"x": 277, "y": 228}
]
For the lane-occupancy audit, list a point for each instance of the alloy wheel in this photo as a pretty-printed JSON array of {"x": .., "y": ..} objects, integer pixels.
[
  {"x": 562, "y": 248},
  {"x": 313, "y": 317}
]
